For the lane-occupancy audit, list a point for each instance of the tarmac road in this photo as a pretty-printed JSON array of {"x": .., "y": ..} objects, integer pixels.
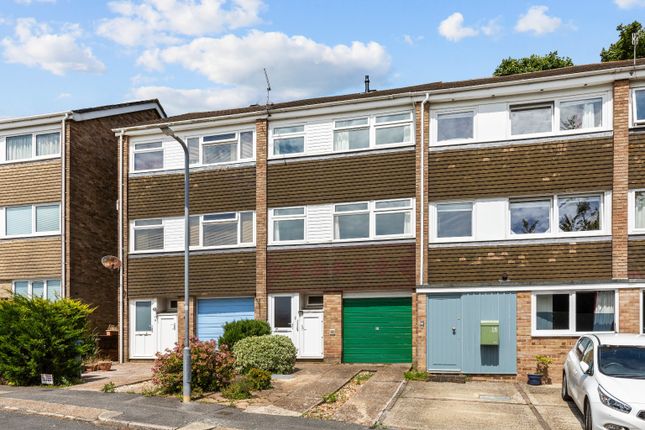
[{"x": 13, "y": 420}]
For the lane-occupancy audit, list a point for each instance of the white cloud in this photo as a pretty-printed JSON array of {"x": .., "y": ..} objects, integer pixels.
[
  {"x": 35, "y": 45},
  {"x": 536, "y": 21},
  {"x": 411, "y": 40},
  {"x": 629, "y": 4},
  {"x": 153, "y": 22},
  {"x": 298, "y": 66},
  {"x": 175, "y": 100},
  {"x": 64, "y": 95},
  {"x": 492, "y": 27},
  {"x": 453, "y": 29}
]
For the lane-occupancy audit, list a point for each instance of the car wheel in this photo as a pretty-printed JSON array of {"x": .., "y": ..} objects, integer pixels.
[
  {"x": 565, "y": 388},
  {"x": 588, "y": 418}
]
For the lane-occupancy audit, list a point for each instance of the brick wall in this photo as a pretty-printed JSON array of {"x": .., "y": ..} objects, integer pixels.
[
  {"x": 261, "y": 219},
  {"x": 419, "y": 327},
  {"x": 620, "y": 180},
  {"x": 528, "y": 346},
  {"x": 629, "y": 319},
  {"x": 180, "y": 319},
  {"x": 333, "y": 326}
]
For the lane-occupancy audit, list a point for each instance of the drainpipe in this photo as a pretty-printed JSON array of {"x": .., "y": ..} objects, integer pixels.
[
  {"x": 422, "y": 184},
  {"x": 120, "y": 230},
  {"x": 63, "y": 207}
]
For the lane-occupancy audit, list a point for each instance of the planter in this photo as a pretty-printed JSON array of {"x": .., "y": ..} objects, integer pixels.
[
  {"x": 111, "y": 332},
  {"x": 89, "y": 368},
  {"x": 534, "y": 379},
  {"x": 104, "y": 365}
]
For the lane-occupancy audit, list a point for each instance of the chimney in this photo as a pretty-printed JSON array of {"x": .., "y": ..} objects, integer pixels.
[{"x": 367, "y": 83}]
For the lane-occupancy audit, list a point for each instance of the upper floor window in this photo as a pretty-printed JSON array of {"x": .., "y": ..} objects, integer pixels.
[
  {"x": 49, "y": 289},
  {"x": 639, "y": 106},
  {"x": 289, "y": 140},
  {"x": 454, "y": 220},
  {"x": 455, "y": 126},
  {"x": 225, "y": 229},
  {"x": 530, "y": 216},
  {"x": 531, "y": 119},
  {"x": 580, "y": 114},
  {"x": 579, "y": 213},
  {"x": 227, "y": 147},
  {"x": 379, "y": 219},
  {"x": 148, "y": 235},
  {"x": 639, "y": 218},
  {"x": 372, "y": 131},
  {"x": 289, "y": 224},
  {"x": 148, "y": 156},
  {"x": 32, "y": 220},
  {"x": 29, "y": 146}
]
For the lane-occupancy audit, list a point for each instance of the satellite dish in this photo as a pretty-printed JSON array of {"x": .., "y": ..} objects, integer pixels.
[{"x": 111, "y": 262}]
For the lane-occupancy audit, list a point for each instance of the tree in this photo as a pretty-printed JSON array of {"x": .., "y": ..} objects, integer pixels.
[
  {"x": 534, "y": 63},
  {"x": 623, "y": 49}
]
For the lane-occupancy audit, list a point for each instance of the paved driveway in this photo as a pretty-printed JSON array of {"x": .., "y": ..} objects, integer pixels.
[{"x": 482, "y": 406}]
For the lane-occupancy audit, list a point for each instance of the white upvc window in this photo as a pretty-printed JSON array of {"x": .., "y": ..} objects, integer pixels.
[
  {"x": 638, "y": 106},
  {"x": 581, "y": 114},
  {"x": 564, "y": 313},
  {"x": 229, "y": 147},
  {"x": 49, "y": 289},
  {"x": 382, "y": 219},
  {"x": 148, "y": 235},
  {"x": 32, "y": 220},
  {"x": 289, "y": 224},
  {"x": 32, "y": 146},
  {"x": 148, "y": 156},
  {"x": 579, "y": 213},
  {"x": 530, "y": 216},
  {"x": 373, "y": 131},
  {"x": 530, "y": 119},
  {"x": 636, "y": 211},
  {"x": 223, "y": 230},
  {"x": 454, "y": 220},
  {"x": 455, "y": 127},
  {"x": 288, "y": 140}
]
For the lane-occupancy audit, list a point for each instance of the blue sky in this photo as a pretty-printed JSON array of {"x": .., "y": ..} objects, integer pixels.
[{"x": 209, "y": 54}]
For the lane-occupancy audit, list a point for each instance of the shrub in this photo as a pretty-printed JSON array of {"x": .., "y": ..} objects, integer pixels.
[
  {"x": 238, "y": 390},
  {"x": 259, "y": 379},
  {"x": 235, "y": 331},
  {"x": 273, "y": 353},
  {"x": 110, "y": 387},
  {"x": 212, "y": 369},
  {"x": 42, "y": 336},
  {"x": 330, "y": 398}
]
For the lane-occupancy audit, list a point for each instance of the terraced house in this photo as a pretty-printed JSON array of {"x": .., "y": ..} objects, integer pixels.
[
  {"x": 462, "y": 226},
  {"x": 58, "y": 204}
]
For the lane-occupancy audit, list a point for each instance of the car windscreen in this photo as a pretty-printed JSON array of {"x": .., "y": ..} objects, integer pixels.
[{"x": 622, "y": 361}]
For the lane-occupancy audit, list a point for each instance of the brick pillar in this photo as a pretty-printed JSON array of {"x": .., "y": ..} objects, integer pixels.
[
  {"x": 261, "y": 127},
  {"x": 620, "y": 180},
  {"x": 333, "y": 326},
  {"x": 419, "y": 301},
  {"x": 629, "y": 306},
  {"x": 180, "y": 319}
]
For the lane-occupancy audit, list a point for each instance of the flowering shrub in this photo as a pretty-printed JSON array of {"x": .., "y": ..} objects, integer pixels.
[
  {"x": 212, "y": 369},
  {"x": 273, "y": 353}
]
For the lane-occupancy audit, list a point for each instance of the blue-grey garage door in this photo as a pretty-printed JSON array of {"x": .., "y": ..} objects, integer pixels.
[{"x": 212, "y": 314}]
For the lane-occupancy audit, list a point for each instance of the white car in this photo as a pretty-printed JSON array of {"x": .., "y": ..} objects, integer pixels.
[{"x": 604, "y": 374}]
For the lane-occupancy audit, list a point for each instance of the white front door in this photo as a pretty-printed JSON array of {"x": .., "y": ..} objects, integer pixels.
[
  {"x": 142, "y": 321},
  {"x": 283, "y": 316},
  {"x": 311, "y": 334},
  {"x": 167, "y": 328}
]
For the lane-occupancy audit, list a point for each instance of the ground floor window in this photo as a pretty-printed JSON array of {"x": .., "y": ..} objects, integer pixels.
[
  {"x": 574, "y": 312},
  {"x": 44, "y": 289}
]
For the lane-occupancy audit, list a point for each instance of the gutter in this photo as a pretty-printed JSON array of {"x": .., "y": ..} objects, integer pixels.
[{"x": 259, "y": 114}]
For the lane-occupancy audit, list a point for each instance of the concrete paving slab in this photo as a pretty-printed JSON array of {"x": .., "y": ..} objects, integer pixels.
[
  {"x": 472, "y": 391},
  {"x": 68, "y": 411},
  {"x": 544, "y": 395},
  {"x": 562, "y": 417},
  {"x": 415, "y": 413},
  {"x": 120, "y": 374}
]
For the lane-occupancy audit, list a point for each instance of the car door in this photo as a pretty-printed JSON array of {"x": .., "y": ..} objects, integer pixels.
[{"x": 581, "y": 377}]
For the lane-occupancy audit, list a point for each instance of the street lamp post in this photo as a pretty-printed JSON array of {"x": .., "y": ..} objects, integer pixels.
[{"x": 186, "y": 361}]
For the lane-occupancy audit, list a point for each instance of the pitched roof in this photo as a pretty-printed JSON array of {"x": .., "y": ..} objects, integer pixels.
[
  {"x": 434, "y": 86},
  {"x": 120, "y": 105}
]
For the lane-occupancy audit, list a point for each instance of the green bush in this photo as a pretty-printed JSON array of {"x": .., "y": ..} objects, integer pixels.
[
  {"x": 238, "y": 390},
  {"x": 235, "y": 331},
  {"x": 416, "y": 375},
  {"x": 42, "y": 336},
  {"x": 212, "y": 369},
  {"x": 272, "y": 353},
  {"x": 259, "y": 379}
]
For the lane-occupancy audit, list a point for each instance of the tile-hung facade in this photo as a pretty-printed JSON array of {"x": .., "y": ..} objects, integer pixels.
[
  {"x": 58, "y": 204},
  {"x": 465, "y": 227}
]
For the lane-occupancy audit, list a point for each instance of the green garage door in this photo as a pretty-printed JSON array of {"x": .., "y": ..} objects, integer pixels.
[{"x": 377, "y": 330}]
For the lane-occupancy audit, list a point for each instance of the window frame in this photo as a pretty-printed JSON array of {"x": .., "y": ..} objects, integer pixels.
[
  {"x": 302, "y": 134},
  {"x": 45, "y": 287},
  {"x": 573, "y": 99},
  {"x": 552, "y": 215},
  {"x": 237, "y": 139},
  {"x": 520, "y": 105},
  {"x": 372, "y": 126},
  {"x": 277, "y": 218},
  {"x": 572, "y": 331},
  {"x": 435, "y": 215},
  {"x": 457, "y": 141},
  {"x": 601, "y": 214},
  {"x": 161, "y": 149},
  {"x": 635, "y": 122},
  {"x": 34, "y": 233},
  {"x": 134, "y": 228},
  {"x": 34, "y": 149},
  {"x": 372, "y": 211},
  {"x": 631, "y": 211}
]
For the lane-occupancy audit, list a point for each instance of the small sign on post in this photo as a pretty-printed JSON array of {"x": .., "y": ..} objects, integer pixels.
[{"x": 46, "y": 379}]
